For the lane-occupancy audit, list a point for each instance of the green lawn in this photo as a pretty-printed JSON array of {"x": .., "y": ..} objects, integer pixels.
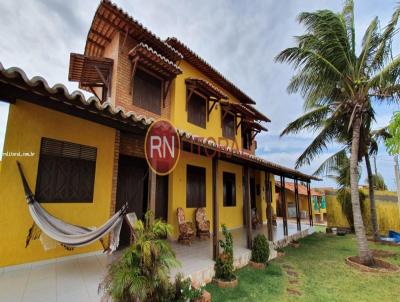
[{"x": 322, "y": 275}]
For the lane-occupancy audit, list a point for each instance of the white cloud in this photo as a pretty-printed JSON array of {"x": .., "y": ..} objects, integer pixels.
[{"x": 239, "y": 38}]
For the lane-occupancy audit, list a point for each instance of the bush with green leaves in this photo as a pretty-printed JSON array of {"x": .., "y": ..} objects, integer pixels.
[
  {"x": 184, "y": 290},
  {"x": 393, "y": 142},
  {"x": 260, "y": 250},
  {"x": 224, "y": 264},
  {"x": 143, "y": 271}
]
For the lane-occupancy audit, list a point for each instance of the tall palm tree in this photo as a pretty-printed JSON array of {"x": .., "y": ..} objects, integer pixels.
[
  {"x": 337, "y": 84},
  {"x": 338, "y": 164}
]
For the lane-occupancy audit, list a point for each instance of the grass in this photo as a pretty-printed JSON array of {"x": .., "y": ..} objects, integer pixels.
[{"x": 322, "y": 275}]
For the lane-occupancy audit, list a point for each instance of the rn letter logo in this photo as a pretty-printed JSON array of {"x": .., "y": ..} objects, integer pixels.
[{"x": 162, "y": 147}]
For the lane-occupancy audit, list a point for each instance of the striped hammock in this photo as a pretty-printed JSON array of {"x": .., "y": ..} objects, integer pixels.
[{"x": 69, "y": 235}]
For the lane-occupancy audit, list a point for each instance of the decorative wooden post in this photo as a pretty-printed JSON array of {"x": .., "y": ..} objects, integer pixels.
[
  {"x": 283, "y": 192},
  {"x": 268, "y": 199},
  {"x": 296, "y": 200},
  {"x": 152, "y": 184},
  {"x": 248, "y": 208},
  {"x": 310, "y": 215},
  {"x": 215, "y": 208}
]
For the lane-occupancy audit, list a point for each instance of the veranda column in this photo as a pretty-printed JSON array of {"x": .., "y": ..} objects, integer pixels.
[
  {"x": 248, "y": 208},
  {"x": 296, "y": 200},
  {"x": 215, "y": 207},
  {"x": 283, "y": 192},
  {"x": 268, "y": 199},
  {"x": 152, "y": 185},
  {"x": 310, "y": 215}
]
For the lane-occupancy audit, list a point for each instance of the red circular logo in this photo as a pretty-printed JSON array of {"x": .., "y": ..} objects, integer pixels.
[{"x": 162, "y": 147}]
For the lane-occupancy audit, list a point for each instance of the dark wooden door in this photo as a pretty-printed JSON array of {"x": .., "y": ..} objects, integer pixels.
[
  {"x": 253, "y": 192},
  {"x": 131, "y": 189},
  {"x": 162, "y": 198}
]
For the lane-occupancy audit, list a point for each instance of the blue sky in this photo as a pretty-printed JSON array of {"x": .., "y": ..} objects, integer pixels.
[{"x": 239, "y": 38}]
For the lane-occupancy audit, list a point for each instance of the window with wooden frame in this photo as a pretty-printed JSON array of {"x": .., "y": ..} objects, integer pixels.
[
  {"x": 229, "y": 188},
  {"x": 147, "y": 91},
  {"x": 197, "y": 109},
  {"x": 66, "y": 172},
  {"x": 246, "y": 138},
  {"x": 228, "y": 125},
  {"x": 195, "y": 187}
]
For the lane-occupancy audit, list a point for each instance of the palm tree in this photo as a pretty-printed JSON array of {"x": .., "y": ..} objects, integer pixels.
[{"x": 337, "y": 84}]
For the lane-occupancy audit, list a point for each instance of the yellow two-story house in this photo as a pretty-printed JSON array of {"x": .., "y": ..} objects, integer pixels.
[{"x": 86, "y": 155}]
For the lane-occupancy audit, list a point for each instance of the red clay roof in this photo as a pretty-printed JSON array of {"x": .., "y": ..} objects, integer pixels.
[
  {"x": 110, "y": 19},
  {"x": 209, "y": 71},
  {"x": 302, "y": 189}
]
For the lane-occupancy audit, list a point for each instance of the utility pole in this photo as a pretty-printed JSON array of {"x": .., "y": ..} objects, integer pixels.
[{"x": 396, "y": 173}]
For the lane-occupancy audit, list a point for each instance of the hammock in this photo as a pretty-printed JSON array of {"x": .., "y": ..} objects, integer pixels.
[{"x": 70, "y": 235}]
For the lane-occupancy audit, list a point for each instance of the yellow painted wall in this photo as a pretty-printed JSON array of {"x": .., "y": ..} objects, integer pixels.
[
  {"x": 27, "y": 124},
  {"x": 231, "y": 216},
  {"x": 261, "y": 199},
  {"x": 177, "y": 189},
  {"x": 179, "y": 113}
]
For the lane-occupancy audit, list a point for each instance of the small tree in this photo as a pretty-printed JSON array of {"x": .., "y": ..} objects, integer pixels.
[
  {"x": 224, "y": 263},
  {"x": 260, "y": 251},
  {"x": 142, "y": 273}
]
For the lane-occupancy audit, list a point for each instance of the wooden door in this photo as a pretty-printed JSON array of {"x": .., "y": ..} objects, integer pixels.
[
  {"x": 131, "y": 189},
  {"x": 162, "y": 197}
]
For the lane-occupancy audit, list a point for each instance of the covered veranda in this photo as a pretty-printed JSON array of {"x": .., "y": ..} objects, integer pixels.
[
  {"x": 250, "y": 162},
  {"x": 196, "y": 259}
]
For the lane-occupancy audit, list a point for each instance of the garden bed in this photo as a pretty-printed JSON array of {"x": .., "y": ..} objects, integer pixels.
[
  {"x": 256, "y": 265},
  {"x": 226, "y": 284},
  {"x": 380, "y": 266}
]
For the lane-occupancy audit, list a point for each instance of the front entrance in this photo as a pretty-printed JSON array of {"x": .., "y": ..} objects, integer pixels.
[{"x": 132, "y": 188}]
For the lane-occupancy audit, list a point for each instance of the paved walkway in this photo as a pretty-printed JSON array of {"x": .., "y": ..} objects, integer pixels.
[
  {"x": 77, "y": 279},
  {"x": 72, "y": 280}
]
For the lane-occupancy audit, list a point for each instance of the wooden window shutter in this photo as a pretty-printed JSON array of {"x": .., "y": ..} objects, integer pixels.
[
  {"x": 147, "y": 91},
  {"x": 195, "y": 187},
  {"x": 197, "y": 110},
  {"x": 66, "y": 172}
]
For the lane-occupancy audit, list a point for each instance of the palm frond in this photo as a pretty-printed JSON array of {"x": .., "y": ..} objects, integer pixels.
[
  {"x": 332, "y": 162},
  {"x": 312, "y": 119},
  {"x": 325, "y": 136}
]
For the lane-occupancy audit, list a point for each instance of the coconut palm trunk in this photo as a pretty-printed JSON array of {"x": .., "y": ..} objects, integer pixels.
[
  {"x": 372, "y": 204},
  {"x": 364, "y": 253}
]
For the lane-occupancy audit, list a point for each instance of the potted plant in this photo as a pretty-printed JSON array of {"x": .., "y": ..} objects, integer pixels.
[
  {"x": 260, "y": 252},
  {"x": 294, "y": 243},
  {"x": 224, "y": 276},
  {"x": 280, "y": 252}
]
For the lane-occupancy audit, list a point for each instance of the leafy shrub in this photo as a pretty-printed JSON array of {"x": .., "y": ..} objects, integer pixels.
[
  {"x": 224, "y": 263},
  {"x": 184, "y": 290},
  {"x": 142, "y": 272},
  {"x": 260, "y": 251}
]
